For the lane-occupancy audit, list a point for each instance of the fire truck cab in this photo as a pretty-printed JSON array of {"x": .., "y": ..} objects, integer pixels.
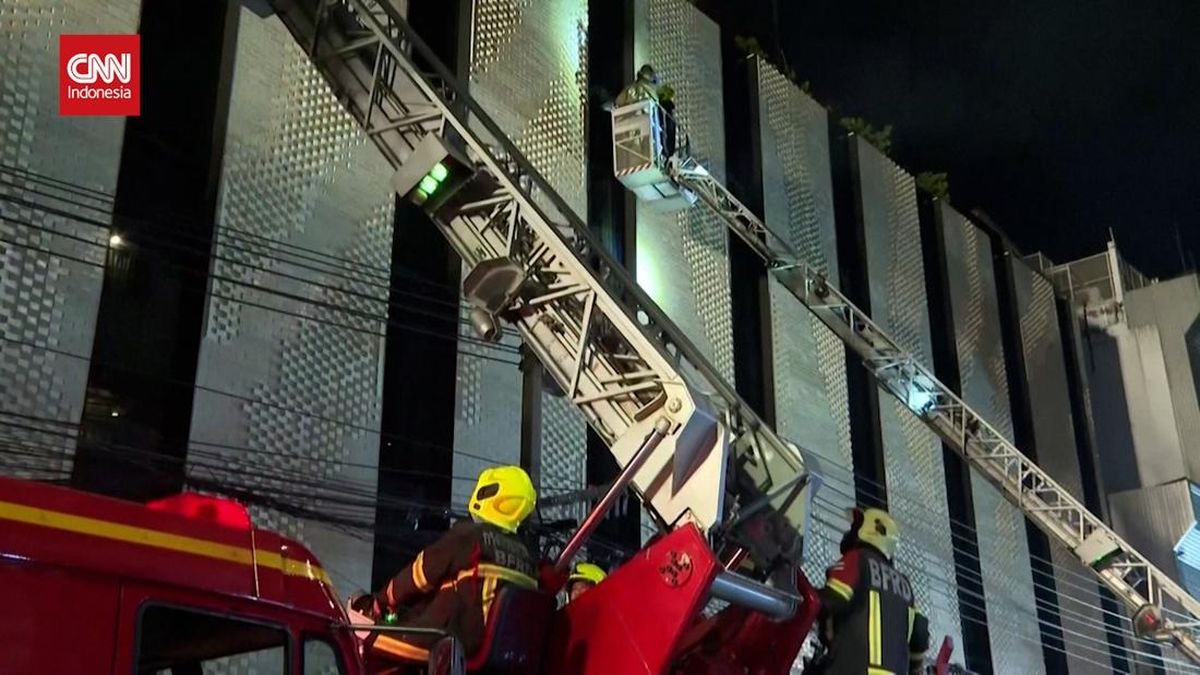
[
  {"x": 187, "y": 585},
  {"x": 178, "y": 587}
]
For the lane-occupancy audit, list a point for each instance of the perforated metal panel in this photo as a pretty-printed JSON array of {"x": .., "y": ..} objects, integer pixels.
[
  {"x": 683, "y": 258},
  {"x": 1045, "y": 371},
  {"x": 48, "y": 302},
  {"x": 487, "y": 426},
  {"x": 289, "y": 387},
  {"x": 912, "y": 453},
  {"x": 1003, "y": 547},
  {"x": 808, "y": 359},
  {"x": 529, "y": 71}
]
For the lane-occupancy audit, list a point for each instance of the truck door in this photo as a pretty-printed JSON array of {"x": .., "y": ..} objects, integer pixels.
[
  {"x": 166, "y": 631},
  {"x": 56, "y": 620}
]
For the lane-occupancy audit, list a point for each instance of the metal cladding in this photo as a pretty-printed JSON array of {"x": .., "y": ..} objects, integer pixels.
[
  {"x": 683, "y": 257},
  {"x": 1000, "y": 526},
  {"x": 912, "y": 453},
  {"x": 1054, "y": 438},
  {"x": 1187, "y": 551},
  {"x": 48, "y": 301},
  {"x": 269, "y": 413},
  {"x": 1153, "y": 519},
  {"x": 1164, "y": 320},
  {"x": 529, "y": 71},
  {"x": 809, "y": 360}
]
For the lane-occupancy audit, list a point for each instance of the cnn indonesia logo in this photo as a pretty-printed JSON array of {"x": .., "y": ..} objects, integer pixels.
[{"x": 99, "y": 75}]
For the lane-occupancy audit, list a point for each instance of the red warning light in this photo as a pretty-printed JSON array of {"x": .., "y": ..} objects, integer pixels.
[{"x": 224, "y": 512}]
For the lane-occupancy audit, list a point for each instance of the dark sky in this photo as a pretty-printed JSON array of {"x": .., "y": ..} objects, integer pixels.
[{"x": 1059, "y": 118}]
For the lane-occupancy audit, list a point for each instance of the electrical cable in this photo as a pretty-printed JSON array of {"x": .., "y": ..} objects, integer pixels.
[
  {"x": 344, "y": 290},
  {"x": 204, "y": 244},
  {"x": 380, "y": 319},
  {"x": 565, "y": 487},
  {"x": 368, "y": 526},
  {"x": 1068, "y": 576},
  {"x": 340, "y": 325}
]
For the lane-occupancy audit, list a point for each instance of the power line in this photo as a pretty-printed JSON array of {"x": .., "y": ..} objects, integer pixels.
[
  {"x": 256, "y": 492},
  {"x": 361, "y": 314},
  {"x": 347, "y": 310}
]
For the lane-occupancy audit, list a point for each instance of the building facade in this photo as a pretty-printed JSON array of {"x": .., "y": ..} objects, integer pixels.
[{"x": 331, "y": 370}]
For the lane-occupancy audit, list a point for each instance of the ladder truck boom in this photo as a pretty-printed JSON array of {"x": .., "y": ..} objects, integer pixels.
[
  {"x": 640, "y": 384},
  {"x": 1146, "y": 590}
]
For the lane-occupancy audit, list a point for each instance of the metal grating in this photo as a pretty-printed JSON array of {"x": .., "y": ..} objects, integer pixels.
[
  {"x": 529, "y": 71},
  {"x": 809, "y": 359},
  {"x": 684, "y": 47},
  {"x": 912, "y": 453},
  {"x": 48, "y": 303},
  {"x": 1045, "y": 372},
  {"x": 1003, "y": 546},
  {"x": 289, "y": 403}
]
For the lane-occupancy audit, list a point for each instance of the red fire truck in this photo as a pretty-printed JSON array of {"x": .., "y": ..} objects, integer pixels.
[{"x": 178, "y": 586}]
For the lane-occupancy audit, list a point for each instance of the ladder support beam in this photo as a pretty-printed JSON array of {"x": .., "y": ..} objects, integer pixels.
[
  {"x": 612, "y": 352},
  {"x": 1050, "y": 506}
]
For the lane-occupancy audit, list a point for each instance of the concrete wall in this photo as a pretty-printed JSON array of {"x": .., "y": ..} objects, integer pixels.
[
  {"x": 1153, "y": 519},
  {"x": 1045, "y": 372},
  {"x": 808, "y": 365},
  {"x": 289, "y": 388},
  {"x": 48, "y": 302},
  {"x": 1167, "y": 313},
  {"x": 529, "y": 72},
  {"x": 683, "y": 258},
  {"x": 1000, "y": 526},
  {"x": 912, "y": 454},
  {"x": 1145, "y": 378}
]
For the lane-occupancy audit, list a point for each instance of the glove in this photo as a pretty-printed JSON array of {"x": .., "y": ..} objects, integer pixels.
[{"x": 366, "y": 604}]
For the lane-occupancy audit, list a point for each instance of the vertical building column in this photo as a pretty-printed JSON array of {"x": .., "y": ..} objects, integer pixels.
[
  {"x": 611, "y": 211},
  {"x": 862, "y": 394},
  {"x": 749, "y": 300},
  {"x": 138, "y": 408},
  {"x": 1053, "y": 647},
  {"x": 972, "y": 602},
  {"x": 889, "y": 230},
  {"x": 806, "y": 365},
  {"x": 1089, "y": 464},
  {"x": 416, "y": 452}
]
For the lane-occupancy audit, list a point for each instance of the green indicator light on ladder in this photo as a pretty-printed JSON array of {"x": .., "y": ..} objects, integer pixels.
[
  {"x": 439, "y": 172},
  {"x": 428, "y": 184}
]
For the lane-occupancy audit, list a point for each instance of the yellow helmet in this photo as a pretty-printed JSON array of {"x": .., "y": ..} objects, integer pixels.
[
  {"x": 503, "y": 496},
  {"x": 877, "y": 528},
  {"x": 586, "y": 571}
]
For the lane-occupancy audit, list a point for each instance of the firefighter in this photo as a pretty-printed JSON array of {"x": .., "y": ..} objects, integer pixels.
[
  {"x": 666, "y": 102},
  {"x": 583, "y": 578},
  {"x": 644, "y": 88},
  {"x": 869, "y": 623},
  {"x": 451, "y": 584}
]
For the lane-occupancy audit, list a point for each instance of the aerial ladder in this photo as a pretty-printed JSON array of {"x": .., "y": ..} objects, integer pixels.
[
  {"x": 706, "y": 466},
  {"x": 675, "y": 181}
]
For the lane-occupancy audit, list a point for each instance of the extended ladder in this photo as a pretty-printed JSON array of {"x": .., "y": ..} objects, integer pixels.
[
  {"x": 1140, "y": 585},
  {"x": 533, "y": 262}
]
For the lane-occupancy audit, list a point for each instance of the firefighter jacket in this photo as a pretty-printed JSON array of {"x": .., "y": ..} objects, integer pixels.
[
  {"x": 640, "y": 90},
  {"x": 869, "y": 623},
  {"x": 451, "y": 586}
]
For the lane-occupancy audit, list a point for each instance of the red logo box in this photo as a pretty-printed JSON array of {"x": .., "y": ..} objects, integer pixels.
[{"x": 100, "y": 75}]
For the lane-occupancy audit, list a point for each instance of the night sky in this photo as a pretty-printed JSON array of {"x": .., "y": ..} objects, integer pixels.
[{"x": 1059, "y": 118}]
